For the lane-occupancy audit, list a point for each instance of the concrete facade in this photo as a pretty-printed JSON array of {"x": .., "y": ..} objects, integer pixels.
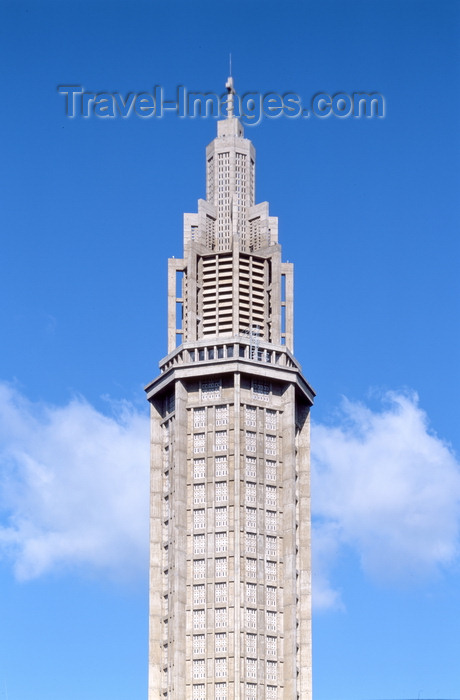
[{"x": 230, "y": 594}]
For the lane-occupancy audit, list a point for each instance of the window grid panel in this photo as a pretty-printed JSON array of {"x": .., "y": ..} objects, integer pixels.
[
  {"x": 270, "y": 419},
  {"x": 199, "y": 619},
  {"x": 251, "y": 618},
  {"x": 220, "y": 592},
  {"x": 251, "y": 644},
  {"x": 251, "y": 468},
  {"x": 221, "y": 467},
  {"x": 270, "y": 570},
  {"x": 221, "y": 567},
  {"x": 270, "y": 621},
  {"x": 271, "y": 646},
  {"x": 270, "y": 520},
  {"x": 270, "y": 546},
  {"x": 199, "y": 568},
  {"x": 220, "y": 642},
  {"x": 199, "y": 692},
  {"x": 221, "y": 491},
  {"x": 270, "y": 596},
  {"x": 221, "y": 440},
  {"x": 210, "y": 390},
  {"x": 199, "y": 544},
  {"x": 270, "y": 444},
  {"x": 270, "y": 496},
  {"x": 272, "y": 671},
  {"x": 221, "y": 415},
  {"x": 220, "y": 617},
  {"x": 250, "y": 416},
  {"x": 251, "y": 492},
  {"x": 199, "y": 442},
  {"x": 270, "y": 470},
  {"x": 251, "y": 691},
  {"x": 251, "y": 543},
  {"x": 272, "y": 692},
  {"x": 251, "y": 441},
  {"x": 221, "y": 541},
  {"x": 251, "y": 593},
  {"x": 199, "y": 518},
  {"x": 251, "y": 568},
  {"x": 199, "y": 493},
  {"x": 220, "y": 668},
  {"x": 199, "y": 668},
  {"x": 199, "y": 468},
  {"x": 199, "y": 594},
  {"x": 199, "y": 643},
  {"x": 221, "y": 691},
  {"x": 261, "y": 390},
  {"x": 199, "y": 418},
  {"x": 251, "y": 668},
  {"x": 221, "y": 516},
  {"x": 251, "y": 517}
]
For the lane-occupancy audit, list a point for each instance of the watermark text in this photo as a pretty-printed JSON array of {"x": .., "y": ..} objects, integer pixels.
[{"x": 251, "y": 107}]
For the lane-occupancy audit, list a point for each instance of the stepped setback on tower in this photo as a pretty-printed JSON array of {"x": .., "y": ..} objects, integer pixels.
[{"x": 230, "y": 594}]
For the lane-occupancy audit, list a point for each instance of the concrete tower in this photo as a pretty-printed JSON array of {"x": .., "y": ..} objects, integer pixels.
[{"x": 230, "y": 604}]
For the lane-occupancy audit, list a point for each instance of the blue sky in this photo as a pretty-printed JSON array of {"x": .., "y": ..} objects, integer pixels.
[{"x": 368, "y": 212}]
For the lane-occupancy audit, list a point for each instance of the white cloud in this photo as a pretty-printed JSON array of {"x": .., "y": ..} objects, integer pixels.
[
  {"x": 387, "y": 487},
  {"x": 74, "y": 491},
  {"x": 74, "y": 487}
]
